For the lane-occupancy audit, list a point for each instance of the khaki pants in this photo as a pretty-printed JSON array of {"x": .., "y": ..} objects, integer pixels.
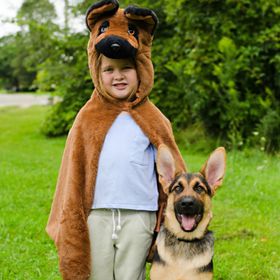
[{"x": 120, "y": 241}]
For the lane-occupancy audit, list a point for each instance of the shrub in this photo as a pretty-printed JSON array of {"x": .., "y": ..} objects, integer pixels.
[
  {"x": 269, "y": 128},
  {"x": 221, "y": 62},
  {"x": 67, "y": 72}
]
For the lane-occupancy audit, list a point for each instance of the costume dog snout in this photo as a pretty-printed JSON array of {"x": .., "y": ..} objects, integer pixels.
[
  {"x": 115, "y": 47},
  {"x": 188, "y": 205}
]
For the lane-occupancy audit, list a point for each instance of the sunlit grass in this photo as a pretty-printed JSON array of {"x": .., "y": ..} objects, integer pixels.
[
  {"x": 246, "y": 208},
  {"x": 28, "y": 168}
]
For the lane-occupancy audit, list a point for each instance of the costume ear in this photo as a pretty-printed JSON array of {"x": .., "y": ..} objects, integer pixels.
[
  {"x": 100, "y": 9},
  {"x": 146, "y": 16},
  {"x": 165, "y": 166},
  {"x": 214, "y": 168}
]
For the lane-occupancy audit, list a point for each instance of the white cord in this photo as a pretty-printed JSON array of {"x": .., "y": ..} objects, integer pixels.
[
  {"x": 119, "y": 220},
  {"x": 114, "y": 235},
  {"x": 118, "y": 227}
]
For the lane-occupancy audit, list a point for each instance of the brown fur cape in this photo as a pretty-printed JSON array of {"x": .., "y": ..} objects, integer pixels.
[{"x": 67, "y": 224}]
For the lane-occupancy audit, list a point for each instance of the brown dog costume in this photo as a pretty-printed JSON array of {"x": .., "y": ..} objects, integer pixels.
[{"x": 117, "y": 33}]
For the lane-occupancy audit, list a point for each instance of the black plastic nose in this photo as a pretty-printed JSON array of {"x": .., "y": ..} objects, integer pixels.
[{"x": 115, "y": 47}]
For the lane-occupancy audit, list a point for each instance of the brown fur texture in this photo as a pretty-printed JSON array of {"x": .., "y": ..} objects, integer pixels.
[{"x": 73, "y": 198}]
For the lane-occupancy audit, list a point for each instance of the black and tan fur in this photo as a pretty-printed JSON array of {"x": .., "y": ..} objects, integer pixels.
[{"x": 185, "y": 246}]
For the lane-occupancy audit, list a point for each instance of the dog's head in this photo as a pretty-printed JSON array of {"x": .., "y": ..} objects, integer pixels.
[
  {"x": 188, "y": 211},
  {"x": 122, "y": 33}
]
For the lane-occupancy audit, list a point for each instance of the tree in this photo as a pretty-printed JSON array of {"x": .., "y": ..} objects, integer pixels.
[
  {"x": 35, "y": 39},
  {"x": 39, "y": 12},
  {"x": 8, "y": 50}
]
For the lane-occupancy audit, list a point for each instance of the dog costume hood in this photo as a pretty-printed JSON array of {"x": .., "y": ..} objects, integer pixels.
[
  {"x": 114, "y": 32},
  {"x": 118, "y": 33}
]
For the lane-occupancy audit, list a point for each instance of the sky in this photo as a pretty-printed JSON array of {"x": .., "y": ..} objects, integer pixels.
[{"x": 9, "y": 8}]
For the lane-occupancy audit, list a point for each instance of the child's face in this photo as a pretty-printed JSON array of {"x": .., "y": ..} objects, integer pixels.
[{"x": 119, "y": 77}]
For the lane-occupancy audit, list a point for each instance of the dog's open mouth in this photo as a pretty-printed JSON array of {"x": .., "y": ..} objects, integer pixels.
[
  {"x": 189, "y": 212},
  {"x": 187, "y": 222}
]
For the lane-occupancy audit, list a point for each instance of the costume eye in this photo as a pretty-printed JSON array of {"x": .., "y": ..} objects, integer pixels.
[
  {"x": 179, "y": 188},
  {"x": 197, "y": 188},
  {"x": 132, "y": 30},
  {"x": 104, "y": 26}
]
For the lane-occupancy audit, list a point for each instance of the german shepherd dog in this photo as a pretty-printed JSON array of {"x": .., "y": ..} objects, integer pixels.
[{"x": 184, "y": 246}]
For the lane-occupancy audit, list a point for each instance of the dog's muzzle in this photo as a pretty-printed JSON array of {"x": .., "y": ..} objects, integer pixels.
[
  {"x": 115, "y": 47},
  {"x": 189, "y": 212}
]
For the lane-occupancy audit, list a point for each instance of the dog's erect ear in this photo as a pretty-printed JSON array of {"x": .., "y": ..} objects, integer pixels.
[
  {"x": 146, "y": 16},
  {"x": 214, "y": 169},
  {"x": 165, "y": 166},
  {"x": 100, "y": 9}
]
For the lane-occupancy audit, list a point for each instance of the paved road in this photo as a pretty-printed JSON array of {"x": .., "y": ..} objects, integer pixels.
[{"x": 24, "y": 100}]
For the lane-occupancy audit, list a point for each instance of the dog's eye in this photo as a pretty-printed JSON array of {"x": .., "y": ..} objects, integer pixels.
[
  {"x": 199, "y": 189},
  {"x": 104, "y": 26},
  {"x": 178, "y": 189}
]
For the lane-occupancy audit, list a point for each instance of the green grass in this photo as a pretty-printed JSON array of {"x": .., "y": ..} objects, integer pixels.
[
  {"x": 246, "y": 208},
  {"x": 28, "y": 168}
]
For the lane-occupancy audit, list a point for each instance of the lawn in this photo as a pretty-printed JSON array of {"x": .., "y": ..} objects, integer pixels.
[{"x": 246, "y": 209}]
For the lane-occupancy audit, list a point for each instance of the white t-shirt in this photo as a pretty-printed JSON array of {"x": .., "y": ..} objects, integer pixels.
[{"x": 126, "y": 177}]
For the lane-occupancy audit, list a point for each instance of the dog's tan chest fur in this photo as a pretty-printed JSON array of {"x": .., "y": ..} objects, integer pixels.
[{"x": 177, "y": 261}]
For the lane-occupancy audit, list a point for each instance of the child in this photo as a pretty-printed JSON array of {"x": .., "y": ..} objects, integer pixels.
[
  {"x": 123, "y": 218},
  {"x": 104, "y": 210}
]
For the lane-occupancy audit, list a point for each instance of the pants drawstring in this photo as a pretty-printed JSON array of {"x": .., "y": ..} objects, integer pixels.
[{"x": 118, "y": 228}]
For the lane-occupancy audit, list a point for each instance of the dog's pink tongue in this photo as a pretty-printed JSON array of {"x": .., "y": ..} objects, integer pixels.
[{"x": 188, "y": 222}]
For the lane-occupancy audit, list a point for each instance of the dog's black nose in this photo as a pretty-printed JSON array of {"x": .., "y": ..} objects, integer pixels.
[
  {"x": 115, "y": 47},
  {"x": 187, "y": 202},
  {"x": 189, "y": 205}
]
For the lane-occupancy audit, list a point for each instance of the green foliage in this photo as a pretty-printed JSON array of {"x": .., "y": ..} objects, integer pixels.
[
  {"x": 269, "y": 128},
  {"x": 66, "y": 72},
  {"x": 23, "y": 53},
  {"x": 61, "y": 116},
  {"x": 38, "y": 12},
  {"x": 8, "y": 48},
  {"x": 222, "y": 64}
]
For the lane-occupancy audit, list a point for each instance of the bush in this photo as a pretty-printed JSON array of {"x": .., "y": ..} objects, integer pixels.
[
  {"x": 67, "y": 73},
  {"x": 61, "y": 116},
  {"x": 220, "y": 65},
  {"x": 269, "y": 128}
]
